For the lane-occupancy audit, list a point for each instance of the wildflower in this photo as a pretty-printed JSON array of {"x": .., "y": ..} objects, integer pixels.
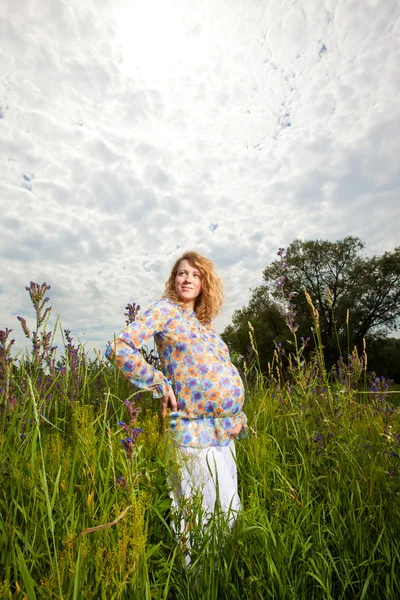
[
  {"x": 131, "y": 314},
  {"x": 121, "y": 481},
  {"x": 320, "y": 442},
  {"x": 123, "y": 426},
  {"x": 133, "y": 411},
  {"x": 133, "y": 432},
  {"x": 128, "y": 446},
  {"x": 380, "y": 386}
]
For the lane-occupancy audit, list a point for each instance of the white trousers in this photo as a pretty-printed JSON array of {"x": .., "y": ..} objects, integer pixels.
[{"x": 208, "y": 473}]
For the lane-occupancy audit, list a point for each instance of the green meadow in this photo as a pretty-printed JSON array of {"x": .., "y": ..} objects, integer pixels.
[{"x": 84, "y": 515}]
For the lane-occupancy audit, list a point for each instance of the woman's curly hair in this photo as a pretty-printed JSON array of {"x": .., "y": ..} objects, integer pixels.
[{"x": 209, "y": 302}]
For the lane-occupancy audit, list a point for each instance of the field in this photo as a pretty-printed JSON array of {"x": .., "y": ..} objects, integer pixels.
[{"x": 83, "y": 515}]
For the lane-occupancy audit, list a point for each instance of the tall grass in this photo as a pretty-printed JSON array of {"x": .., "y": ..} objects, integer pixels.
[{"x": 84, "y": 516}]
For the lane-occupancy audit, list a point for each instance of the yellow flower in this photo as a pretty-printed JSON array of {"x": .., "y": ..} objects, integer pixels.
[{"x": 90, "y": 502}]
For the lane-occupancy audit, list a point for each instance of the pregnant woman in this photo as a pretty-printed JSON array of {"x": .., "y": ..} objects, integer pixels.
[{"x": 197, "y": 382}]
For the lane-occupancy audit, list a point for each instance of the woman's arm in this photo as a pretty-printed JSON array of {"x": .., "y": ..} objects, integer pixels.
[{"x": 125, "y": 350}]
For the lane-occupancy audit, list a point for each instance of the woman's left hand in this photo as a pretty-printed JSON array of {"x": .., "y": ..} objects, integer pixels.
[{"x": 234, "y": 432}]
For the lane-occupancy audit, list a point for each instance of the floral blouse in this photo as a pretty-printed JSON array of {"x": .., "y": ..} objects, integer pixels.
[{"x": 195, "y": 362}]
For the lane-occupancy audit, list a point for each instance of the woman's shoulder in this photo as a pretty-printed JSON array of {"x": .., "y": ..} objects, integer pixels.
[
  {"x": 164, "y": 307},
  {"x": 209, "y": 327}
]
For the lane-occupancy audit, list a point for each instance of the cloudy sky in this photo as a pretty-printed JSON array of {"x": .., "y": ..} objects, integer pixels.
[{"x": 131, "y": 130}]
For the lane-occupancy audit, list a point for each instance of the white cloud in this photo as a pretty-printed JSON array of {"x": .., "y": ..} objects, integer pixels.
[{"x": 132, "y": 131}]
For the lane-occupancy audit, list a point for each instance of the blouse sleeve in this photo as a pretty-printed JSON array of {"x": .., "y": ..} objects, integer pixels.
[{"x": 125, "y": 350}]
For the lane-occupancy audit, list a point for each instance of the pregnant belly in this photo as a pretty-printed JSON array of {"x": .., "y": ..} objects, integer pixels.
[{"x": 222, "y": 396}]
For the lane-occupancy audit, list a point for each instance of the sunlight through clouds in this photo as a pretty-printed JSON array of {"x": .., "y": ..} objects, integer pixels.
[{"x": 161, "y": 40}]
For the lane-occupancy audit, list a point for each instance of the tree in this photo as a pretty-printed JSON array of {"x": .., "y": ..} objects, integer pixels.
[
  {"x": 267, "y": 319},
  {"x": 353, "y": 293},
  {"x": 384, "y": 357}
]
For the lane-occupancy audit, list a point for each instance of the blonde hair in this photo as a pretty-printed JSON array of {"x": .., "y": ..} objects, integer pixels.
[{"x": 209, "y": 302}]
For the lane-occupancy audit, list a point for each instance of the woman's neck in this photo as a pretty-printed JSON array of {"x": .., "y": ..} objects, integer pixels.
[{"x": 187, "y": 305}]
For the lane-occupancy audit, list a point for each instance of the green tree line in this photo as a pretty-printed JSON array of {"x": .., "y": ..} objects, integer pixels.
[{"x": 357, "y": 298}]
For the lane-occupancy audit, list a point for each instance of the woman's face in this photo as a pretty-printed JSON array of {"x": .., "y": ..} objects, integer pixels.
[{"x": 188, "y": 283}]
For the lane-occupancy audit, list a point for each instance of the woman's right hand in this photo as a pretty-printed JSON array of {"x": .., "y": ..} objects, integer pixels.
[
  {"x": 168, "y": 400},
  {"x": 234, "y": 432}
]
